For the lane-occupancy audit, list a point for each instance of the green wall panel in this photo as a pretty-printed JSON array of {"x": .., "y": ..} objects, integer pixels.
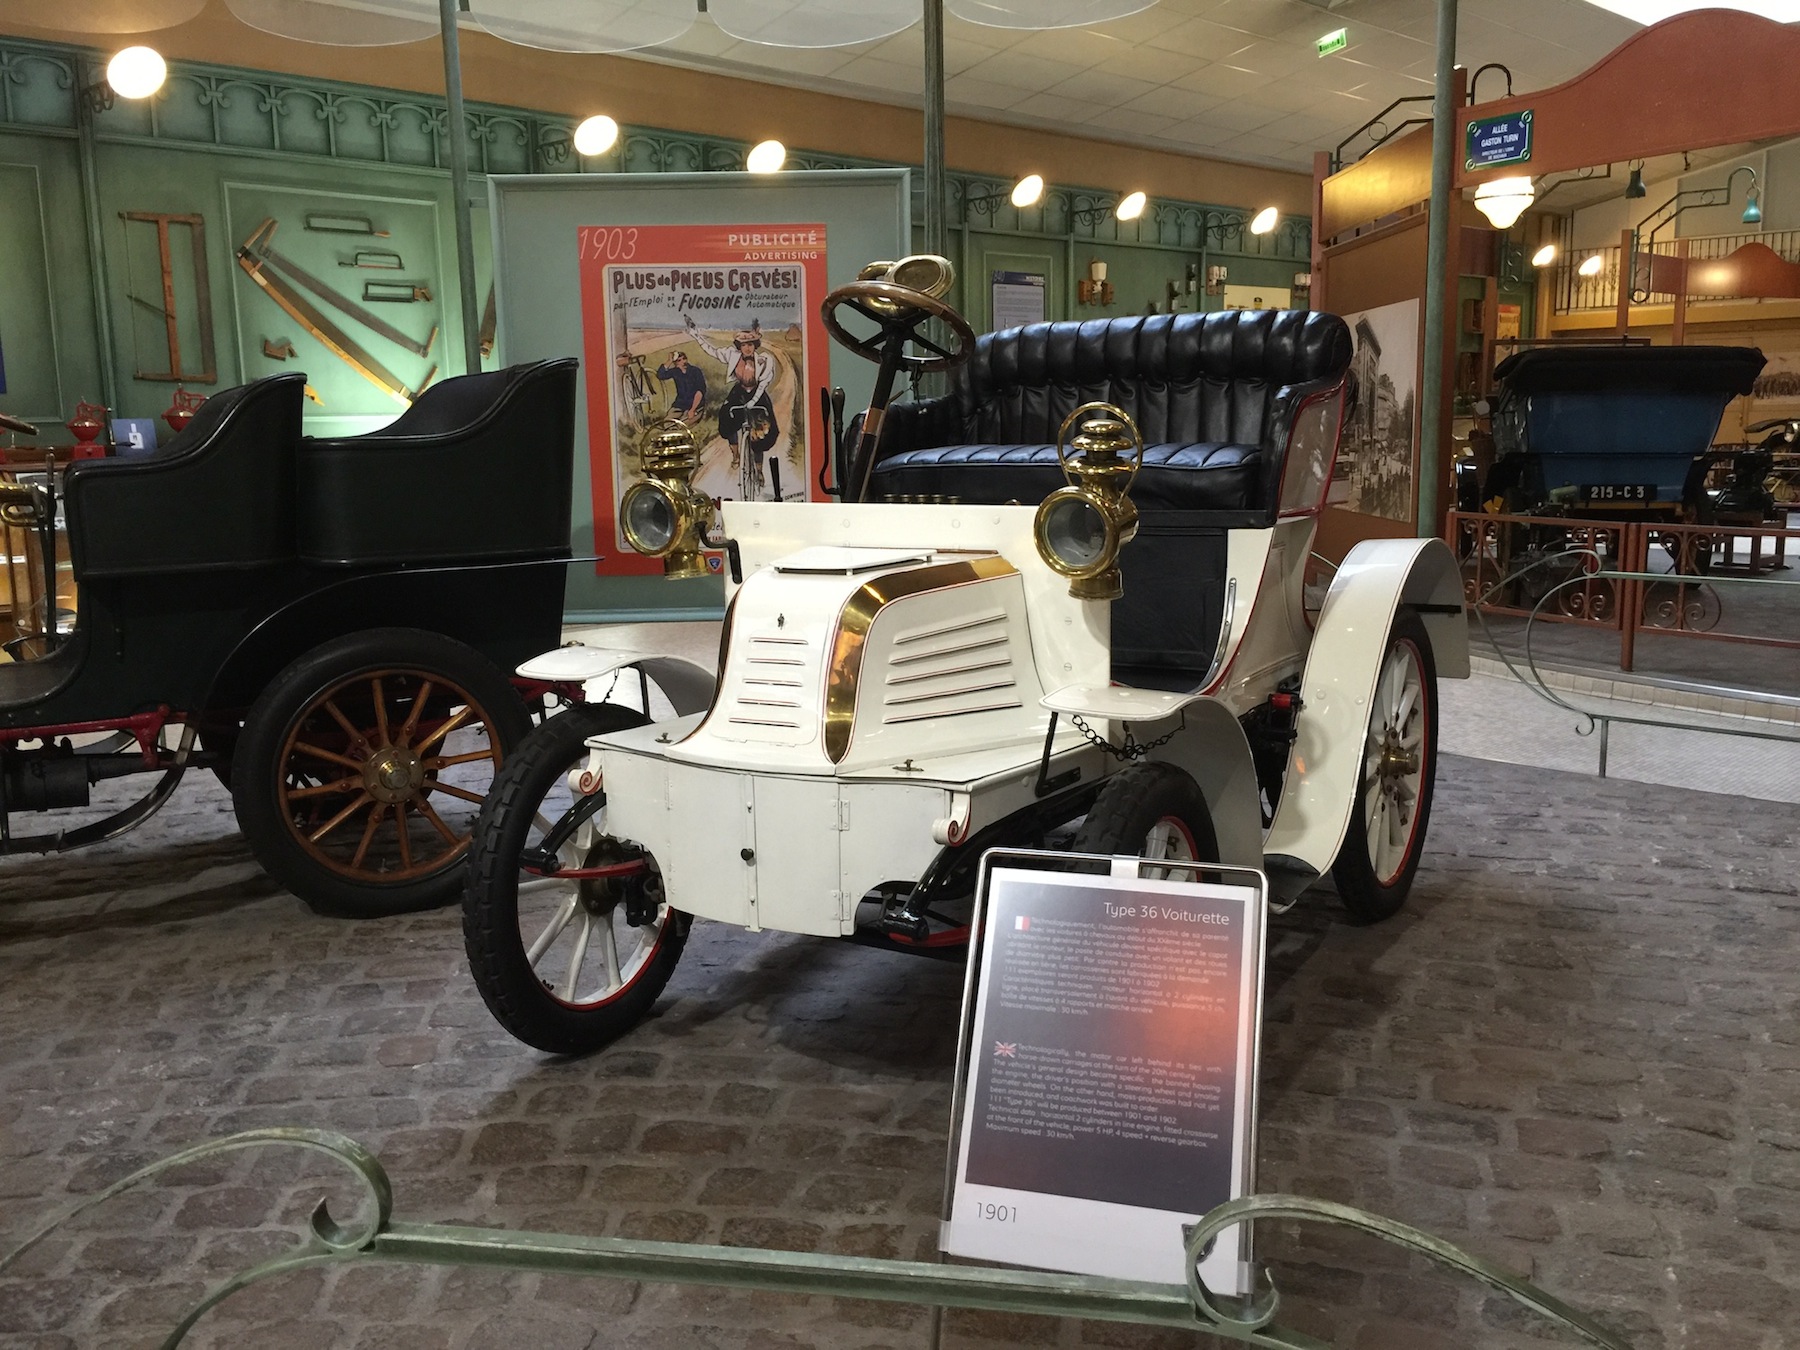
[{"x": 46, "y": 299}]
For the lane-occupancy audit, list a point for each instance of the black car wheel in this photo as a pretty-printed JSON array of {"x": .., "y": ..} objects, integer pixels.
[
  {"x": 564, "y": 965},
  {"x": 1150, "y": 811},
  {"x": 359, "y": 772}
]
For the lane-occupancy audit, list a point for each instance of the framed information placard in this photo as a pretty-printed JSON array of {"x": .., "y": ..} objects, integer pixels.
[{"x": 1106, "y": 1078}]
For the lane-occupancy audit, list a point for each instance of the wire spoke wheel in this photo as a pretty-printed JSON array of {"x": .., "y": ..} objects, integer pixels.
[
  {"x": 565, "y": 964},
  {"x": 1375, "y": 865},
  {"x": 383, "y": 772}
]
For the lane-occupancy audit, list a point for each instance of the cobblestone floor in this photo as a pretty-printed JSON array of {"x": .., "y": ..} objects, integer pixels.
[{"x": 1577, "y": 1053}]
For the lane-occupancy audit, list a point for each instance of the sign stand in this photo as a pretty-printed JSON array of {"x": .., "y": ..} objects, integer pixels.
[{"x": 1105, "y": 1090}]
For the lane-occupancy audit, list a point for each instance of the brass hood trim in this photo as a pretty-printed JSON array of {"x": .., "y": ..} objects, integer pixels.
[{"x": 858, "y": 616}]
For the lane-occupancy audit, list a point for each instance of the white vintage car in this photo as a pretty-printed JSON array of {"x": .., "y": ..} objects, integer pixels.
[{"x": 904, "y": 684}]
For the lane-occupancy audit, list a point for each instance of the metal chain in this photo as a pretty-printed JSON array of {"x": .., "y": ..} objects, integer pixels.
[{"x": 1133, "y": 751}]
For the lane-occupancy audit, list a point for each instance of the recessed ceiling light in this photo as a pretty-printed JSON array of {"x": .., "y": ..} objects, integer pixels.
[{"x": 1654, "y": 11}]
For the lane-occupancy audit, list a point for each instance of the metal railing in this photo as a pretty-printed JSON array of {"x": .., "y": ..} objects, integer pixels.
[
  {"x": 375, "y": 1237},
  {"x": 1574, "y": 293},
  {"x": 1629, "y": 577}
]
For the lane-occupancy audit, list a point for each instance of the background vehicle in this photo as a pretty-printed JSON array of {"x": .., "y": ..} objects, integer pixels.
[
  {"x": 905, "y": 686},
  {"x": 325, "y": 624}
]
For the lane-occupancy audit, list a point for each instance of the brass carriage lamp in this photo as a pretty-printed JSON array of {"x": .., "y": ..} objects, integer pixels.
[
  {"x": 663, "y": 513},
  {"x": 1080, "y": 528}
]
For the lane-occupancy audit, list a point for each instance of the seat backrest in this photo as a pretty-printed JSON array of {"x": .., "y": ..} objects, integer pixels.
[
  {"x": 482, "y": 464},
  {"x": 1185, "y": 378},
  {"x": 219, "y": 495}
]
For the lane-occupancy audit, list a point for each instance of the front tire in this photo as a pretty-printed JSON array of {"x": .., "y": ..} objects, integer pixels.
[
  {"x": 1380, "y": 854},
  {"x": 1151, "y": 811},
  {"x": 358, "y": 772},
  {"x": 559, "y": 964}
]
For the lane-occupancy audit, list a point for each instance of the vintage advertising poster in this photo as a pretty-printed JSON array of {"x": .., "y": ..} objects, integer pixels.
[
  {"x": 1375, "y": 464},
  {"x": 717, "y": 325},
  {"x": 1110, "y": 1088}
]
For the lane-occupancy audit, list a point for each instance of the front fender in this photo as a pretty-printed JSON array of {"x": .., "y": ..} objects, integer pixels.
[
  {"x": 1349, "y": 642},
  {"x": 687, "y": 684},
  {"x": 1212, "y": 748}
]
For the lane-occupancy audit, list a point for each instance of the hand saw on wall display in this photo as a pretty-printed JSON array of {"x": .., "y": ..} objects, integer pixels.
[{"x": 282, "y": 281}]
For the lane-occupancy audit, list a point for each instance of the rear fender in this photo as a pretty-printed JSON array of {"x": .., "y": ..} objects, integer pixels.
[
  {"x": 687, "y": 684},
  {"x": 1349, "y": 641}
]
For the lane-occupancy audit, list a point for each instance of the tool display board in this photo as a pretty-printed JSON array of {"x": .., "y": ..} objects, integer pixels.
[
  {"x": 1106, "y": 1076},
  {"x": 314, "y": 289},
  {"x": 538, "y": 222}
]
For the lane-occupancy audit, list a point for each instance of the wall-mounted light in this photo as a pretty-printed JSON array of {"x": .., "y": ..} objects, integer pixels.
[
  {"x": 1752, "y": 207},
  {"x": 1094, "y": 289},
  {"x": 1544, "y": 256},
  {"x": 1591, "y": 265},
  {"x": 596, "y": 135},
  {"x": 1264, "y": 220},
  {"x": 135, "y": 72},
  {"x": 1634, "y": 186},
  {"x": 1026, "y": 192},
  {"x": 1215, "y": 279},
  {"x": 1131, "y": 206},
  {"x": 1503, "y": 200},
  {"x": 766, "y": 157}
]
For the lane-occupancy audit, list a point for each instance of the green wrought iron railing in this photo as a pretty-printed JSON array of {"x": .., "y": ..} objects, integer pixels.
[{"x": 375, "y": 1236}]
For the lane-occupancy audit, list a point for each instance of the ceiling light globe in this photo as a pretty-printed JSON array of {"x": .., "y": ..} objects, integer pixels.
[
  {"x": 1544, "y": 256},
  {"x": 1503, "y": 200},
  {"x": 1131, "y": 206},
  {"x": 1590, "y": 267},
  {"x": 137, "y": 72},
  {"x": 1264, "y": 220},
  {"x": 766, "y": 157},
  {"x": 1027, "y": 190},
  {"x": 596, "y": 135}
]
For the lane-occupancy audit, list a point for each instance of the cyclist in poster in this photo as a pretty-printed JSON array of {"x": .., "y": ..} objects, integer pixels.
[{"x": 747, "y": 421}]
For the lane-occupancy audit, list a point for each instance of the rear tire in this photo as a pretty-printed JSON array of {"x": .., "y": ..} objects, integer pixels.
[
  {"x": 1150, "y": 811},
  {"x": 560, "y": 967},
  {"x": 1380, "y": 854},
  {"x": 358, "y": 772}
]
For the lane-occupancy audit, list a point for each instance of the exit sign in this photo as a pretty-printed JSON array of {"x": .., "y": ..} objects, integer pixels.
[{"x": 1334, "y": 42}]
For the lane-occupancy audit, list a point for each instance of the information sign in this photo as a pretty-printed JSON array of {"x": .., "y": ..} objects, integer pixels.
[
  {"x": 1018, "y": 298},
  {"x": 1494, "y": 141},
  {"x": 1109, "y": 1076}
]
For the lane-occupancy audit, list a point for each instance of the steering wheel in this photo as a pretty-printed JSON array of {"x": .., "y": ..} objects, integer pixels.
[
  {"x": 14, "y": 424},
  {"x": 899, "y": 310}
]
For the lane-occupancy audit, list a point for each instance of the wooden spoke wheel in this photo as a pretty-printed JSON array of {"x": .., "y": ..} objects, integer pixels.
[{"x": 360, "y": 772}]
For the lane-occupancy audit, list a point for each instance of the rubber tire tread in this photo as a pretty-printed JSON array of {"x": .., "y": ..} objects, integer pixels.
[
  {"x": 1364, "y": 898},
  {"x": 1134, "y": 800},
  {"x": 255, "y": 766},
  {"x": 491, "y": 937}
]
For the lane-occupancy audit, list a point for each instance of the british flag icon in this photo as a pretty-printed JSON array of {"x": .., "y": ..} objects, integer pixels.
[{"x": 1006, "y": 1049}]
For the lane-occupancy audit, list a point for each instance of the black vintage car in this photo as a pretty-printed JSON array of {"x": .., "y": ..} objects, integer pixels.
[{"x": 326, "y": 624}]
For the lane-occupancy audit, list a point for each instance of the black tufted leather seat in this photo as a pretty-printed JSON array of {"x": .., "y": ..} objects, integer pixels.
[{"x": 1214, "y": 395}]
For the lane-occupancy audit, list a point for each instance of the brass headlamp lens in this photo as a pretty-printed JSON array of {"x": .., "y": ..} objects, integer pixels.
[
  {"x": 1081, "y": 528},
  {"x": 661, "y": 515},
  {"x": 926, "y": 273}
]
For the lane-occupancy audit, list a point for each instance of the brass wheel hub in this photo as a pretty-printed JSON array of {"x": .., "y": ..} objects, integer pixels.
[
  {"x": 1397, "y": 763},
  {"x": 393, "y": 774}
]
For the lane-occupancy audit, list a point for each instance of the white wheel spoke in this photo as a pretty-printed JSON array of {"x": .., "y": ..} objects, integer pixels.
[
  {"x": 609, "y": 952},
  {"x": 1413, "y": 738},
  {"x": 579, "y": 956},
  {"x": 1409, "y": 700},
  {"x": 1160, "y": 843},
  {"x": 553, "y": 930}
]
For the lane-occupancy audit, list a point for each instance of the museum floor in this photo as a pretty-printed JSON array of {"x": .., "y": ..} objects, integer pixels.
[{"x": 1577, "y": 1052}]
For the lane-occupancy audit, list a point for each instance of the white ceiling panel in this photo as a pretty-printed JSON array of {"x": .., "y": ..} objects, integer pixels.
[{"x": 1238, "y": 78}]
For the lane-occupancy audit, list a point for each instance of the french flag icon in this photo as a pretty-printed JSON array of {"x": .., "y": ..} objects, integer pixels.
[{"x": 1022, "y": 924}]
